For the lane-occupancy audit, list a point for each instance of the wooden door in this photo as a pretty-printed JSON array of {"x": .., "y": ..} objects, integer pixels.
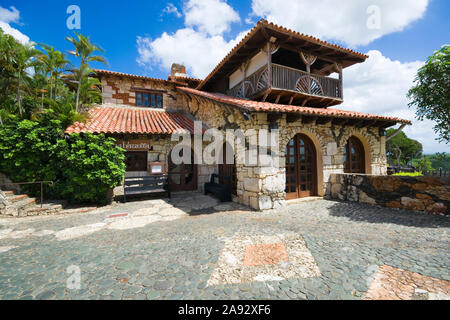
[
  {"x": 301, "y": 172},
  {"x": 183, "y": 177},
  {"x": 228, "y": 170},
  {"x": 354, "y": 156}
]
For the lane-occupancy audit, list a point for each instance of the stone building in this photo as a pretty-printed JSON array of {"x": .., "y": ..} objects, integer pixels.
[{"x": 275, "y": 79}]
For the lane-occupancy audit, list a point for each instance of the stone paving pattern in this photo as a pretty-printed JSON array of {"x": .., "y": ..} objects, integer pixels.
[{"x": 159, "y": 250}]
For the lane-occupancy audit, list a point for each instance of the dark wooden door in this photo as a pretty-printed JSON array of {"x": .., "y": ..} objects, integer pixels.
[
  {"x": 301, "y": 173},
  {"x": 183, "y": 177},
  {"x": 228, "y": 170},
  {"x": 354, "y": 156}
]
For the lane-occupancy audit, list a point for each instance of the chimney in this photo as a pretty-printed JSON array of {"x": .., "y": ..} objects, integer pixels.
[{"x": 177, "y": 70}]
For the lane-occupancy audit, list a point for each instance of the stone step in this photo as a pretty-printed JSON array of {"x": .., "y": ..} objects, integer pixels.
[
  {"x": 47, "y": 209},
  {"x": 19, "y": 206},
  {"x": 16, "y": 198}
]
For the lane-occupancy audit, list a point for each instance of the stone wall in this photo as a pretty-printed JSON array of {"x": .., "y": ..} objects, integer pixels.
[
  {"x": 263, "y": 188},
  {"x": 430, "y": 194},
  {"x": 3, "y": 201},
  {"x": 162, "y": 146},
  {"x": 121, "y": 91},
  {"x": 7, "y": 184}
]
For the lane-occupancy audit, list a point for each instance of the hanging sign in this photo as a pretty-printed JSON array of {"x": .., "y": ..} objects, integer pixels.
[{"x": 134, "y": 145}]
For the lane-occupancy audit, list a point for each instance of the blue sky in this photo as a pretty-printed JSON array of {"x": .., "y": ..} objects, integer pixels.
[{"x": 200, "y": 32}]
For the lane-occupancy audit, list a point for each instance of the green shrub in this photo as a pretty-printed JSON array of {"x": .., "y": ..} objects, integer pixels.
[
  {"x": 83, "y": 166},
  {"x": 90, "y": 165},
  {"x": 409, "y": 174}
]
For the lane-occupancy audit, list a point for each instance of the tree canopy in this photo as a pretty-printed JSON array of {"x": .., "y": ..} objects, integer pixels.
[
  {"x": 400, "y": 150},
  {"x": 35, "y": 79},
  {"x": 431, "y": 92}
]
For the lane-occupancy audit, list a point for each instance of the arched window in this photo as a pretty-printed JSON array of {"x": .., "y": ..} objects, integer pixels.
[{"x": 354, "y": 156}]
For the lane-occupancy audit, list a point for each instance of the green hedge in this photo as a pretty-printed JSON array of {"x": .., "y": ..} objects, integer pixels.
[
  {"x": 409, "y": 174},
  {"x": 83, "y": 166}
]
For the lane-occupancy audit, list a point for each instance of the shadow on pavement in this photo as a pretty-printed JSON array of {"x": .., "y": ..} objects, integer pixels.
[{"x": 381, "y": 215}]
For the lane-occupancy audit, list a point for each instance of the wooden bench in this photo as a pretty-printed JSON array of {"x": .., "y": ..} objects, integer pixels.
[
  {"x": 223, "y": 191},
  {"x": 146, "y": 185}
]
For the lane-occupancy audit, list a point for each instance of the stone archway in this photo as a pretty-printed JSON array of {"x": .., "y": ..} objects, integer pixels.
[
  {"x": 184, "y": 176},
  {"x": 365, "y": 144},
  {"x": 318, "y": 186}
]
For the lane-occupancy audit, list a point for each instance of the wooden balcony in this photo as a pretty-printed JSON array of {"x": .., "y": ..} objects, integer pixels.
[{"x": 286, "y": 85}]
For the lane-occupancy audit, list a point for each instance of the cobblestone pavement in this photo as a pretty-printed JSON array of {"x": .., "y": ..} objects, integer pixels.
[{"x": 197, "y": 248}]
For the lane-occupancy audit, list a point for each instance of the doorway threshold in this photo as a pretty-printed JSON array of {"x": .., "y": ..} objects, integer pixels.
[{"x": 303, "y": 200}]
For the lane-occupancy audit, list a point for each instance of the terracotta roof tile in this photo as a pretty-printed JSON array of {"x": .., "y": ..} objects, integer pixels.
[
  {"x": 257, "y": 106},
  {"x": 115, "y": 73},
  {"x": 132, "y": 120}
]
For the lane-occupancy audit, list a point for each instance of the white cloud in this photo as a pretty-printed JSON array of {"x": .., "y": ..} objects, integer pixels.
[
  {"x": 345, "y": 21},
  {"x": 199, "y": 52},
  {"x": 8, "y": 16},
  {"x": 200, "y": 46},
  {"x": 172, "y": 9},
  {"x": 213, "y": 17},
  {"x": 380, "y": 86}
]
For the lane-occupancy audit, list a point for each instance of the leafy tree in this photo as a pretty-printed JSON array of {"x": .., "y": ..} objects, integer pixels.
[
  {"x": 54, "y": 63},
  {"x": 84, "y": 50},
  {"x": 424, "y": 164},
  {"x": 431, "y": 92},
  {"x": 24, "y": 59},
  {"x": 400, "y": 150}
]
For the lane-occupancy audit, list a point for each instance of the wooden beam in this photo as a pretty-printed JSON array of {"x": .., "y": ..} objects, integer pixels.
[
  {"x": 278, "y": 99},
  {"x": 265, "y": 96},
  {"x": 265, "y": 34},
  {"x": 291, "y": 100},
  {"x": 305, "y": 102},
  {"x": 296, "y": 49}
]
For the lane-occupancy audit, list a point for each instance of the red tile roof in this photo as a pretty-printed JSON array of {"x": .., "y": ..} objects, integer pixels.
[
  {"x": 257, "y": 106},
  {"x": 132, "y": 120},
  {"x": 121, "y": 74}
]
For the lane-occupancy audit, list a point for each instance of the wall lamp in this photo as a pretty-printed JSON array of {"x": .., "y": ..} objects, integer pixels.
[{"x": 247, "y": 117}]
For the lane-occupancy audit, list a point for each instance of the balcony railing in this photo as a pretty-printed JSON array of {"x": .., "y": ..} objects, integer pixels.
[{"x": 286, "y": 78}]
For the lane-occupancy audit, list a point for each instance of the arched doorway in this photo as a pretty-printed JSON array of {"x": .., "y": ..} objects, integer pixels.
[
  {"x": 183, "y": 177},
  {"x": 228, "y": 169},
  {"x": 354, "y": 156},
  {"x": 301, "y": 168}
]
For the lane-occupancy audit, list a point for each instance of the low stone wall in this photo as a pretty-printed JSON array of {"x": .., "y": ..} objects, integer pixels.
[
  {"x": 430, "y": 194},
  {"x": 3, "y": 201}
]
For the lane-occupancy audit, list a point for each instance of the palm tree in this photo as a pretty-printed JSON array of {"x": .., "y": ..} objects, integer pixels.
[
  {"x": 53, "y": 63},
  {"x": 25, "y": 58},
  {"x": 84, "y": 50}
]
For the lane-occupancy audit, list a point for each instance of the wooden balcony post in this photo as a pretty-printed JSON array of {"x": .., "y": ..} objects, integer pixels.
[
  {"x": 269, "y": 64},
  {"x": 341, "y": 79}
]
